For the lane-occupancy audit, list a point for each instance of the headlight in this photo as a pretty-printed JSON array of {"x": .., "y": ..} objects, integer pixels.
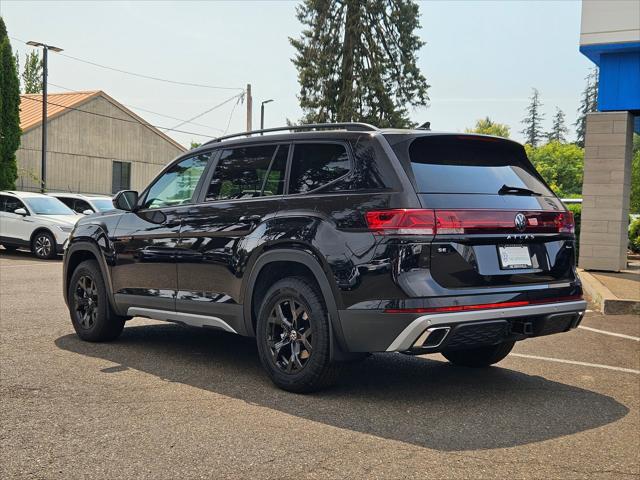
[{"x": 65, "y": 229}]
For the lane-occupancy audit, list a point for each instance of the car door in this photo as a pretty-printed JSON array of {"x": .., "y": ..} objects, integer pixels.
[
  {"x": 242, "y": 191},
  {"x": 145, "y": 241},
  {"x": 14, "y": 228}
]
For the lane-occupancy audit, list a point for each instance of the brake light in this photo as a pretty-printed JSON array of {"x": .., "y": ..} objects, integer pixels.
[
  {"x": 448, "y": 222},
  {"x": 401, "y": 221}
]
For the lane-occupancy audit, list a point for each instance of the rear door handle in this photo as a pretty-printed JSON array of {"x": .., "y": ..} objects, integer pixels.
[{"x": 250, "y": 218}]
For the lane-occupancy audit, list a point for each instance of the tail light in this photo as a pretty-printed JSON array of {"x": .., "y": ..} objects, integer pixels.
[
  {"x": 402, "y": 222},
  {"x": 447, "y": 222}
]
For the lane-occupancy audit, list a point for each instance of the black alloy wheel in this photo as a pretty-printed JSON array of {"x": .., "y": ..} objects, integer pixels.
[
  {"x": 289, "y": 335},
  {"x": 85, "y": 298}
]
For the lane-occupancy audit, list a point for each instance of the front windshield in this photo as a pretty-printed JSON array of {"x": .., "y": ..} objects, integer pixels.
[
  {"x": 102, "y": 204},
  {"x": 47, "y": 206}
]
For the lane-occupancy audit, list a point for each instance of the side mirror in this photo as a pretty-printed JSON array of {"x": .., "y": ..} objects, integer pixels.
[
  {"x": 88, "y": 211},
  {"x": 21, "y": 211},
  {"x": 126, "y": 200}
]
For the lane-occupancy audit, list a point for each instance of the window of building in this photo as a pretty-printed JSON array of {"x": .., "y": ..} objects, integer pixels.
[
  {"x": 120, "y": 176},
  {"x": 316, "y": 164},
  {"x": 178, "y": 184},
  {"x": 242, "y": 172}
]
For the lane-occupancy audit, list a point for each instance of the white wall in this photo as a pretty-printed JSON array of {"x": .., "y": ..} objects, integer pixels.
[{"x": 610, "y": 21}]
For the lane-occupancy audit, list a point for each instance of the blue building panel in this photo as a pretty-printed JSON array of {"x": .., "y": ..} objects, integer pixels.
[{"x": 619, "y": 87}]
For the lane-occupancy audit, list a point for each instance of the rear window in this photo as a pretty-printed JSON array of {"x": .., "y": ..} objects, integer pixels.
[{"x": 466, "y": 164}]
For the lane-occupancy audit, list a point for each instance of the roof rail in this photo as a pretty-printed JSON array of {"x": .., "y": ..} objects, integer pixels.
[{"x": 349, "y": 126}]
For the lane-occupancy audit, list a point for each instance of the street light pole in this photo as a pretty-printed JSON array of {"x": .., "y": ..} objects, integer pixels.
[
  {"x": 262, "y": 113},
  {"x": 45, "y": 50}
]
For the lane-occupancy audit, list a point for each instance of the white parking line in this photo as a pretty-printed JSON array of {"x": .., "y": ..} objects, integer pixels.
[
  {"x": 574, "y": 362},
  {"x": 604, "y": 332}
]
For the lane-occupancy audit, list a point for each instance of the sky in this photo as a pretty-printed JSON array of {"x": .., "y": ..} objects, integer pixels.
[{"x": 480, "y": 58}]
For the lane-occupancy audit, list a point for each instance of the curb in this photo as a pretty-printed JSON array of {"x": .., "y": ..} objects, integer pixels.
[{"x": 604, "y": 299}]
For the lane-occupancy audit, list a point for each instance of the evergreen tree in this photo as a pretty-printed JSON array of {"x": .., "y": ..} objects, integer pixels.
[
  {"x": 588, "y": 104},
  {"x": 486, "y": 126},
  {"x": 533, "y": 121},
  {"x": 32, "y": 73},
  {"x": 357, "y": 61},
  {"x": 558, "y": 128},
  {"x": 9, "y": 112}
]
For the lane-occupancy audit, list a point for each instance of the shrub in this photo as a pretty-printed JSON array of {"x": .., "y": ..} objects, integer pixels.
[
  {"x": 576, "y": 208},
  {"x": 634, "y": 236}
]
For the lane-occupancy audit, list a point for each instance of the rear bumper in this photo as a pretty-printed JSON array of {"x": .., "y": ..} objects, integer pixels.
[{"x": 368, "y": 331}]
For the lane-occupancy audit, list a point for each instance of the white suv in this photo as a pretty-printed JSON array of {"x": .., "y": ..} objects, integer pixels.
[
  {"x": 35, "y": 221},
  {"x": 85, "y": 204}
]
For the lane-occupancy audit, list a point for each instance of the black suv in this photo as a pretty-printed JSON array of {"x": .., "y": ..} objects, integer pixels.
[{"x": 331, "y": 241}]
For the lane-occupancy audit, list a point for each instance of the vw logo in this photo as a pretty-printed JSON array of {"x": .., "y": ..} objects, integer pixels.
[{"x": 521, "y": 222}]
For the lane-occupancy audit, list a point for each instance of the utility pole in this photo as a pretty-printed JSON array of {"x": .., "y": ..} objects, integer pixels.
[
  {"x": 45, "y": 50},
  {"x": 262, "y": 113},
  {"x": 249, "y": 108}
]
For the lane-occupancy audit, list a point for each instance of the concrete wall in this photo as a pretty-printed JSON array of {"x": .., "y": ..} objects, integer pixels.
[
  {"x": 610, "y": 21},
  {"x": 606, "y": 191},
  {"x": 82, "y": 147}
]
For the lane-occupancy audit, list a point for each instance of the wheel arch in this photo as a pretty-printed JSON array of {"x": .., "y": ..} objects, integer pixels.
[
  {"x": 78, "y": 252},
  {"x": 299, "y": 261},
  {"x": 38, "y": 230}
]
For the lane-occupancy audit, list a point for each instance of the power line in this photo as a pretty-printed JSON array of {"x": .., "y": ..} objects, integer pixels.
[
  {"x": 148, "y": 111},
  {"x": 122, "y": 119},
  {"x": 140, "y": 75},
  {"x": 240, "y": 97}
]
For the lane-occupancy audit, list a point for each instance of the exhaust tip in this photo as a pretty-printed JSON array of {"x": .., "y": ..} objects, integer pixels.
[{"x": 432, "y": 337}]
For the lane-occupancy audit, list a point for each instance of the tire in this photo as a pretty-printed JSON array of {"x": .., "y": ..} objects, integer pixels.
[
  {"x": 91, "y": 314},
  {"x": 44, "y": 245},
  {"x": 479, "y": 357},
  {"x": 299, "y": 362}
]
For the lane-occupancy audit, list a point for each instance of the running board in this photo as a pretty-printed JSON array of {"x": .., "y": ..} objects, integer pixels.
[{"x": 187, "y": 318}]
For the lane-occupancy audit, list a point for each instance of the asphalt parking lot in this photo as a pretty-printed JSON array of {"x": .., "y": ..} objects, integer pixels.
[{"x": 166, "y": 401}]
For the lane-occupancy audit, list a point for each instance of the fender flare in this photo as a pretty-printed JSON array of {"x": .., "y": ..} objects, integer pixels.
[
  {"x": 309, "y": 261},
  {"x": 91, "y": 246}
]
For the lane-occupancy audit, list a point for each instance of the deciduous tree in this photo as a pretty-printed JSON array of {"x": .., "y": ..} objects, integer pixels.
[
  {"x": 32, "y": 73},
  {"x": 486, "y": 126},
  {"x": 561, "y": 165}
]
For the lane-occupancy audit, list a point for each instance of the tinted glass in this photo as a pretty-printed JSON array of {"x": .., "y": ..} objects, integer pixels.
[
  {"x": 10, "y": 204},
  {"x": 67, "y": 201},
  {"x": 80, "y": 206},
  {"x": 316, "y": 164},
  {"x": 103, "y": 204},
  {"x": 240, "y": 172},
  {"x": 178, "y": 184},
  {"x": 47, "y": 206},
  {"x": 459, "y": 164},
  {"x": 274, "y": 183}
]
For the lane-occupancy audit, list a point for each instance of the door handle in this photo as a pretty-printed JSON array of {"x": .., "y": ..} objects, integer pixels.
[{"x": 250, "y": 218}]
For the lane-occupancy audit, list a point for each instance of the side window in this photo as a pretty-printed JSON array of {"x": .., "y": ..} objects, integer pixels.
[
  {"x": 80, "y": 206},
  {"x": 274, "y": 181},
  {"x": 316, "y": 164},
  {"x": 67, "y": 201},
  {"x": 12, "y": 204},
  {"x": 241, "y": 173},
  {"x": 3, "y": 202},
  {"x": 178, "y": 184}
]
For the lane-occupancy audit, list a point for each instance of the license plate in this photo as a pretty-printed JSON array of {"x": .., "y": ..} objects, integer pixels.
[{"x": 514, "y": 256}]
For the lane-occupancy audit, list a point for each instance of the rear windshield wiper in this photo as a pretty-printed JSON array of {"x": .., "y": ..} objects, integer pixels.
[{"x": 508, "y": 190}]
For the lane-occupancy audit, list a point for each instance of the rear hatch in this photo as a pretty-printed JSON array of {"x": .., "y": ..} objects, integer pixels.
[{"x": 496, "y": 221}]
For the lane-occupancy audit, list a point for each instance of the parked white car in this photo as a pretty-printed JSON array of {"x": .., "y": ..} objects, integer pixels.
[
  {"x": 84, "y": 204},
  {"x": 35, "y": 221}
]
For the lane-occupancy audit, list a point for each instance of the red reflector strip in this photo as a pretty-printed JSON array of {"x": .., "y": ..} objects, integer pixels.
[{"x": 482, "y": 306}]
